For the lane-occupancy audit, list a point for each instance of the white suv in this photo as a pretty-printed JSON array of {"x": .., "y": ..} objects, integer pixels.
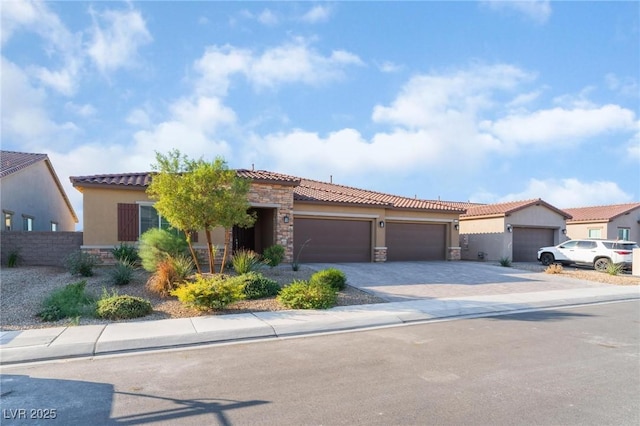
[{"x": 596, "y": 253}]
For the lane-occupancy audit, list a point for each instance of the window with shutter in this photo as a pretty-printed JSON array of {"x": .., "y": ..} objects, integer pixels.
[{"x": 127, "y": 222}]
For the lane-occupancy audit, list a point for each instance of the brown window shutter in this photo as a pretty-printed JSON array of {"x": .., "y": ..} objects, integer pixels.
[
  {"x": 127, "y": 222},
  {"x": 194, "y": 236}
]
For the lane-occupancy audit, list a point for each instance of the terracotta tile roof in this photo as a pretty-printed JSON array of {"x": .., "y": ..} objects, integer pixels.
[
  {"x": 504, "y": 209},
  {"x": 600, "y": 213},
  {"x": 11, "y": 162},
  {"x": 311, "y": 190},
  {"x": 305, "y": 190}
]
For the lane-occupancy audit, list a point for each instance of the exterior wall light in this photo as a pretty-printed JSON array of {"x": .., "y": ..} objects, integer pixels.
[
  {"x": 285, "y": 219},
  {"x": 457, "y": 227},
  {"x": 564, "y": 231},
  {"x": 509, "y": 227},
  {"x": 381, "y": 224}
]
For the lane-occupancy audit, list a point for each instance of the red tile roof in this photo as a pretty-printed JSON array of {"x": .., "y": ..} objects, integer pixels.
[
  {"x": 305, "y": 190},
  {"x": 504, "y": 209},
  {"x": 11, "y": 162},
  {"x": 600, "y": 213}
]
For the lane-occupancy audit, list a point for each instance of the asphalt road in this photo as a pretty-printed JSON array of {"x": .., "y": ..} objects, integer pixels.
[{"x": 578, "y": 366}]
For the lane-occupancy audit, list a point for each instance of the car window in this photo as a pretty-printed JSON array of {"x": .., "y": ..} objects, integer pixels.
[
  {"x": 620, "y": 246},
  {"x": 569, "y": 244},
  {"x": 586, "y": 244}
]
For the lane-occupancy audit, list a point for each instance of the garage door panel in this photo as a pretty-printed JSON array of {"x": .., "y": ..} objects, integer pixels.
[
  {"x": 415, "y": 241},
  {"x": 527, "y": 241},
  {"x": 332, "y": 240}
]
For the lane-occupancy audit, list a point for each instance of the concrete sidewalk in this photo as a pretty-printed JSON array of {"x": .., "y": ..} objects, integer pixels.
[{"x": 91, "y": 340}]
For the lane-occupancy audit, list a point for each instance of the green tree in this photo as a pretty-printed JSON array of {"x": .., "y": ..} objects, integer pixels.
[{"x": 195, "y": 194}]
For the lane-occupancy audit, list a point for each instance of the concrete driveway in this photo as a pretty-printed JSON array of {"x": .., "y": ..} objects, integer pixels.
[{"x": 402, "y": 281}]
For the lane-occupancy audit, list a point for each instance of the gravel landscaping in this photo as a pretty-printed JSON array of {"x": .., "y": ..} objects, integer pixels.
[{"x": 23, "y": 289}]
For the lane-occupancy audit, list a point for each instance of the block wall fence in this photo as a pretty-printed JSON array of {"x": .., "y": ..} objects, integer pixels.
[{"x": 39, "y": 248}]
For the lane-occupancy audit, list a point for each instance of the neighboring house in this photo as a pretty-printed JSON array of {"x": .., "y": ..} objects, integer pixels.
[
  {"x": 614, "y": 222},
  {"x": 315, "y": 221},
  {"x": 32, "y": 198},
  {"x": 514, "y": 230}
]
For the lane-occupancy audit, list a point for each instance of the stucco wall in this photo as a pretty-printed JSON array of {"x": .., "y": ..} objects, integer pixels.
[
  {"x": 39, "y": 248},
  {"x": 33, "y": 192},
  {"x": 609, "y": 230}
]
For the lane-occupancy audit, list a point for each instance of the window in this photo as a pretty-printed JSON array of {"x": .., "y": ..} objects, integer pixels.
[
  {"x": 27, "y": 223},
  {"x": 54, "y": 227},
  {"x": 624, "y": 234},
  {"x": 587, "y": 245},
  {"x": 8, "y": 220},
  {"x": 150, "y": 218},
  {"x": 595, "y": 232}
]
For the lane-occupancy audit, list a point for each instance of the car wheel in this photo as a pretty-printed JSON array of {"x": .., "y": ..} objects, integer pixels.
[
  {"x": 601, "y": 264},
  {"x": 546, "y": 259}
]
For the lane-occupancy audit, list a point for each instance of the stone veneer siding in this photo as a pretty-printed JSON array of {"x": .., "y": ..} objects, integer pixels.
[
  {"x": 379, "y": 254},
  {"x": 39, "y": 248},
  {"x": 454, "y": 253},
  {"x": 281, "y": 196}
]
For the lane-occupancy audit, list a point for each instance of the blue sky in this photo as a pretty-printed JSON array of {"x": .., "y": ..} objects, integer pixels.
[{"x": 478, "y": 101}]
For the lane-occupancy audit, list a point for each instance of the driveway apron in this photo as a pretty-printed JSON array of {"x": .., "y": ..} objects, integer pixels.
[{"x": 402, "y": 281}]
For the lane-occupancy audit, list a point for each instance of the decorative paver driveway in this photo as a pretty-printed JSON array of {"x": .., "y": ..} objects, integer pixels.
[{"x": 401, "y": 281}]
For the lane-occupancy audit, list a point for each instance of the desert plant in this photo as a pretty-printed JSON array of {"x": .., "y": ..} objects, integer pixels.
[
  {"x": 81, "y": 263},
  {"x": 505, "y": 261},
  {"x": 126, "y": 252},
  {"x": 122, "y": 273},
  {"x": 307, "y": 295},
  {"x": 245, "y": 261},
  {"x": 614, "y": 268},
  {"x": 295, "y": 265},
  {"x": 117, "y": 307},
  {"x": 257, "y": 286},
  {"x": 212, "y": 292},
  {"x": 170, "y": 273},
  {"x": 273, "y": 255},
  {"x": 156, "y": 245},
  {"x": 13, "y": 259},
  {"x": 335, "y": 278},
  {"x": 554, "y": 268},
  {"x": 68, "y": 302}
]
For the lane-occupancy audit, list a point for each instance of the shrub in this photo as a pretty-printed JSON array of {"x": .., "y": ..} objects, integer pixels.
[
  {"x": 170, "y": 273},
  {"x": 122, "y": 273},
  {"x": 307, "y": 295},
  {"x": 273, "y": 255},
  {"x": 554, "y": 268},
  {"x": 117, "y": 307},
  {"x": 295, "y": 265},
  {"x": 257, "y": 286},
  {"x": 505, "y": 261},
  {"x": 81, "y": 263},
  {"x": 13, "y": 259},
  {"x": 156, "y": 245},
  {"x": 333, "y": 277},
  {"x": 245, "y": 261},
  {"x": 614, "y": 268},
  {"x": 67, "y": 302},
  {"x": 214, "y": 292},
  {"x": 126, "y": 253}
]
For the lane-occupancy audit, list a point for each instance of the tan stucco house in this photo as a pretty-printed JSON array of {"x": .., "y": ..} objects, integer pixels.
[
  {"x": 315, "y": 221},
  {"x": 615, "y": 221},
  {"x": 514, "y": 230},
  {"x": 32, "y": 198}
]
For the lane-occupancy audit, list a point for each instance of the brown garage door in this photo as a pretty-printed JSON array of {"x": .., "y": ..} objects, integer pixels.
[
  {"x": 527, "y": 241},
  {"x": 332, "y": 240},
  {"x": 416, "y": 241}
]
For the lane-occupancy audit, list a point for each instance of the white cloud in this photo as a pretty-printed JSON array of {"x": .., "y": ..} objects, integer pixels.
[
  {"x": 539, "y": 11},
  {"x": 624, "y": 86},
  {"x": 560, "y": 125},
  {"x": 117, "y": 36},
  {"x": 139, "y": 117},
  {"x": 389, "y": 67},
  {"x": 317, "y": 14},
  {"x": 86, "y": 110},
  {"x": 292, "y": 62},
  {"x": 267, "y": 17},
  {"x": 571, "y": 192}
]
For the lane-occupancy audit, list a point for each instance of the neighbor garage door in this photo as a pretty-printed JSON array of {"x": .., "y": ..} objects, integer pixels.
[
  {"x": 332, "y": 240},
  {"x": 527, "y": 241},
  {"x": 416, "y": 241}
]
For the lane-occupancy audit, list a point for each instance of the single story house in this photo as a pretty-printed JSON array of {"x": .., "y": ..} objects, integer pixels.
[
  {"x": 314, "y": 221},
  {"x": 514, "y": 230},
  {"x": 613, "y": 222},
  {"x": 32, "y": 197}
]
